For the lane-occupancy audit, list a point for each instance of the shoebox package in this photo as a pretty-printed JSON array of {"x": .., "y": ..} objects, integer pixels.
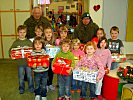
[
  {"x": 52, "y": 50},
  {"x": 38, "y": 60},
  {"x": 61, "y": 65},
  {"x": 85, "y": 74},
  {"x": 118, "y": 57},
  {"x": 23, "y": 52}
]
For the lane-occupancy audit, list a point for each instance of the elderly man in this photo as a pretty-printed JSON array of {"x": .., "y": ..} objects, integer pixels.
[
  {"x": 86, "y": 29},
  {"x": 35, "y": 19}
]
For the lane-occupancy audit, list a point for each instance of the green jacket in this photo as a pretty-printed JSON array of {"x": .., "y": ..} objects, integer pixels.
[
  {"x": 67, "y": 55},
  {"x": 85, "y": 32},
  {"x": 21, "y": 43},
  {"x": 31, "y": 23}
]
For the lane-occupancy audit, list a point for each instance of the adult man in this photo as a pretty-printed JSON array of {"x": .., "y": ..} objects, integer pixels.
[
  {"x": 35, "y": 19},
  {"x": 86, "y": 29}
]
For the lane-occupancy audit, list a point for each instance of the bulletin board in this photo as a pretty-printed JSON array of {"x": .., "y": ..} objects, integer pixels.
[{"x": 129, "y": 35}]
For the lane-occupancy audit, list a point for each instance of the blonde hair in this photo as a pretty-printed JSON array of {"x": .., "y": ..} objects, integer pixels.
[
  {"x": 90, "y": 44},
  {"x": 74, "y": 41},
  {"x": 62, "y": 28}
]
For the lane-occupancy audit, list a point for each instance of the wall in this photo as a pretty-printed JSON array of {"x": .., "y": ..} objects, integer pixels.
[
  {"x": 54, "y": 5},
  {"x": 96, "y": 15}
]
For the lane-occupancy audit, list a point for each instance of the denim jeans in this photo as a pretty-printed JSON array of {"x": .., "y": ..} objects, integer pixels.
[
  {"x": 40, "y": 83},
  {"x": 99, "y": 87},
  {"x": 75, "y": 84},
  {"x": 114, "y": 65},
  {"x": 64, "y": 85},
  {"x": 84, "y": 87},
  {"x": 21, "y": 71}
]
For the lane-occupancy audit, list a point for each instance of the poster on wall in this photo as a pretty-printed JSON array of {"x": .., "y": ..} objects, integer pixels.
[{"x": 61, "y": 8}]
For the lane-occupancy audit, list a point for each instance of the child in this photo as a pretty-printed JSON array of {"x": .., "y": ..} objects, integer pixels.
[
  {"x": 22, "y": 64},
  {"x": 100, "y": 33},
  {"x": 91, "y": 61},
  {"x": 63, "y": 32},
  {"x": 78, "y": 53},
  {"x": 49, "y": 40},
  {"x": 115, "y": 44},
  {"x": 38, "y": 32},
  {"x": 106, "y": 59},
  {"x": 63, "y": 80},
  {"x": 40, "y": 72}
]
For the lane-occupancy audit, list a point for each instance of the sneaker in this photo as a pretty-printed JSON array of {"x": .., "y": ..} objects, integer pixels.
[
  {"x": 72, "y": 91},
  {"x": 51, "y": 87},
  {"x": 37, "y": 97},
  {"x": 82, "y": 98},
  {"x": 78, "y": 91},
  {"x": 21, "y": 92},
  {"x": 68, "y": 98},
  {"x": 44, "y": 98},
  {"x": 93, "y": 98},
  {"x": 99, "y": 97},
  {"x": 60, "y": 98},
  {"x": 47, "y": 88}
]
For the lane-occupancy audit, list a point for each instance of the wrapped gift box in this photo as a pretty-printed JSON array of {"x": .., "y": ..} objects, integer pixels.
[
  {"x": 23, "y": 52},
  {"x": 118, "y": 58},
  {"x": 38, "y": 60},
  {"x": 85, "y": 75},
  {"x": 61, "y": 66},
  {"x": 52, "y": 50}
]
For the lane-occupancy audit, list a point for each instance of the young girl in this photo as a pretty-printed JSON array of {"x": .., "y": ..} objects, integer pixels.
[
  {"x": 63, "y": 32},
  {"x": 105, "y": 57},
  {"x": 38, "y": 32},
  {"x": 49, "y": 40},
  {"x": 78, "y": 53},
  {"x": 91, "y": 61},
  {"x": 63, "y": 80},
  {"x": 40, "y": 72},
  {"x": 100, "y": 33}
]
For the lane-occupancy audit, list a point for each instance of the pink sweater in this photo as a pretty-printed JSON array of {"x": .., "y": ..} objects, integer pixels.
[
  {"x": 78, "y": 53},
  {"x": 93, "y": 63},
  {"x": 105, "y": 57},
  {"x": 57, "y": 42}
]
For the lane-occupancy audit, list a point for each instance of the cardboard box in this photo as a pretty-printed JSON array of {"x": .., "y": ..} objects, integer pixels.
[
  {"x": 85, "y": 75},
  {"x": 118, "y": 58},
  {"x": 61, "y": 66},
  {"x": 38, "y": 60},
  {"x": 23, "y": 52},
  {"x": 52, "y": 51}
]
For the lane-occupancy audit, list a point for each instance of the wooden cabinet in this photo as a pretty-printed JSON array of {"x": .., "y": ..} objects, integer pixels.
[
  {"x": 7, "y": 42},
  {"x": 12, "y": 14},
  {"x": 0, "y": 48}
]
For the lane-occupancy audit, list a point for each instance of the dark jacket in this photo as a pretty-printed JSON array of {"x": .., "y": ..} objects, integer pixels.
[
  {"x": 85, "y": 32},
  {"x": 31, "y": 23}
]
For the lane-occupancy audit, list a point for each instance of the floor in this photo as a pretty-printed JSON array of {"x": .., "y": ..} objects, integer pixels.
[{"x": 9, "y": 84}]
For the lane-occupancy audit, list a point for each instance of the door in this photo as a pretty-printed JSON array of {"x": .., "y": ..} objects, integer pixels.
[{"x": 115, "y": 14}]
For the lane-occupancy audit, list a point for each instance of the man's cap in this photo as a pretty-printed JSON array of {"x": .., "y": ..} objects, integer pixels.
[{"x": 86, "y": 14}]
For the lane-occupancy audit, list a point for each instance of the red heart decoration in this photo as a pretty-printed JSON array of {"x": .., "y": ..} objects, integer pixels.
[{"x": 96, "y": 7}]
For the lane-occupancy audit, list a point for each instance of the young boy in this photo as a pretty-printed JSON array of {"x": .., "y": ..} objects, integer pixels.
[
  {"x": 22, "y": 65},
  {"x": 115, "y": 44}
]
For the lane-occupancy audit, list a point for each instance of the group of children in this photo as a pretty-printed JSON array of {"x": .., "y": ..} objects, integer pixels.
[{"x": 96, "y": 55}]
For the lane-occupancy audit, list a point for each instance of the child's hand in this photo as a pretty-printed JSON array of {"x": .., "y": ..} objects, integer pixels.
[
  {"x": 69, "y": 71},
  {"x": 98, "y": 78},
  {"x": 34, "y": 65},
  {"x": 45, "y": 65},
  {"x": 53, "y": 68}
]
